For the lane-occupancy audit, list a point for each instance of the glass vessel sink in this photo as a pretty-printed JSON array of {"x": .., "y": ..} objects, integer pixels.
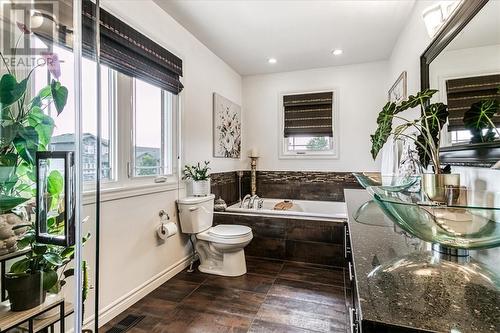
[
  {"x": 387, "y": 182},
  {"x": 469, "y": 220}
]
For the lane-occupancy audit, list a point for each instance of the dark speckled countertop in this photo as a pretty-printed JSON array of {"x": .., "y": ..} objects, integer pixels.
[{"x": 401, "y": 283}]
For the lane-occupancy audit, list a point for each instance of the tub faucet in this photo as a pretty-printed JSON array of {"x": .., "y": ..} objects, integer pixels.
[
  {"x": 242, "y": 203},
  {"x": 251, "y": 203}
]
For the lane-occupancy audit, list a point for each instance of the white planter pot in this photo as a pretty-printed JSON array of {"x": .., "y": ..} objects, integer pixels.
[{"x": 200, "y": 188}]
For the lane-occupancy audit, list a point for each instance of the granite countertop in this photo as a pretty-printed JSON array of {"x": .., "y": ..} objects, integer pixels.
[{"x": 401, "y": 283}]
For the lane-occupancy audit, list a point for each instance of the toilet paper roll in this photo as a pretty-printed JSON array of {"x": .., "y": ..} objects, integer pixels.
[{"x": 166, "y": 230}]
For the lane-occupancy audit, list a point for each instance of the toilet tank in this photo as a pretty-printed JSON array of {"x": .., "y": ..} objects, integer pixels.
[{"x": 196, "y": 213}]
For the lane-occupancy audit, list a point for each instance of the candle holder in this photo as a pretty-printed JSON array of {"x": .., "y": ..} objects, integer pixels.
[{"x": 253, "y": 175}]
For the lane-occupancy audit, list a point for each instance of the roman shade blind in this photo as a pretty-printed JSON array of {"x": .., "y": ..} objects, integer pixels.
[
  {"x": 462, "y": 93},
  {"x": 130, "y": 52},
  {"x": 308, "y": 114},
  {"x": 122, "y": 48}
]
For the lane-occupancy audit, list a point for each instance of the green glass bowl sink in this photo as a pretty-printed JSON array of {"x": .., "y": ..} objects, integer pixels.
[
  {"x": 470, "y": 220},
  {"x": 388, "y": 183}
]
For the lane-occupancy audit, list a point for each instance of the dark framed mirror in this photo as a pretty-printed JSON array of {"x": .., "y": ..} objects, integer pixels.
[{"x": 463, "y": 63}]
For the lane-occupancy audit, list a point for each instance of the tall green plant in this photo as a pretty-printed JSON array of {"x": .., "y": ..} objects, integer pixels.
[
  {"x": 425, "y": 130},
  {"x": 25, "y": 128}
]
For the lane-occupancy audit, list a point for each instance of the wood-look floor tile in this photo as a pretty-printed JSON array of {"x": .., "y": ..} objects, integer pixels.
[
  {"x": 312, "y": 273},
  {"x": 174, "y": 290},
  {"x": 259, "y": 326},
  {"x": 310, "y": 292},
  {"x": 263, "y": 266},
  {"x": 188, "y": 319},
  {"x": 302, "y": 314},
  {"x": 230, "y": 301},
  {"x": 195, "y": 277},
  {"x": 248, "y": 282},
  {"x": 152, "y": 306}
]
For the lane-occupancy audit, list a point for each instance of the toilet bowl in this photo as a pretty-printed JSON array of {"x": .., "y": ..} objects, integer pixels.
[{"x": 221, "y": 247}]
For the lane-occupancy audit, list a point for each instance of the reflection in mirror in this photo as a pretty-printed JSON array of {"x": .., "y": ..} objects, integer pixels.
[{"x": 467, "y": 75}]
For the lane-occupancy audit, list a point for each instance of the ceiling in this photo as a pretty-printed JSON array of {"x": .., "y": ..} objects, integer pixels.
[{"x": 300, "y": 34}]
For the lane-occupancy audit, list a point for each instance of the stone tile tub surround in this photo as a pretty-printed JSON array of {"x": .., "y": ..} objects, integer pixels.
[
  {"x": 297, "y": 185},
  {"x": 292, "y": 239}
]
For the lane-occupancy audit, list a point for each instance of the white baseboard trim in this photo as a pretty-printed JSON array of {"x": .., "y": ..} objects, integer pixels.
[{"x": 127, "y": 300}]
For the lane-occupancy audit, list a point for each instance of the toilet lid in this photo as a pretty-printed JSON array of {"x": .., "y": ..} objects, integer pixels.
[{"x": 230, "y": 231}]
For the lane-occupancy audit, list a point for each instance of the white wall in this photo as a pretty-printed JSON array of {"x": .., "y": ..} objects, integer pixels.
[
  {"x": 411, "y": 43},
  {"x": 361, "y": 94},
  {"x": 462, "y": 63},
  {"x": 133, "y": 262}
]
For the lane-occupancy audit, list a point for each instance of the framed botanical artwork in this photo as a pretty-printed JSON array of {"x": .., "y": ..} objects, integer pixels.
[
  {"x": 399, "y": 90},
  {"x": 227, "y": 127}
]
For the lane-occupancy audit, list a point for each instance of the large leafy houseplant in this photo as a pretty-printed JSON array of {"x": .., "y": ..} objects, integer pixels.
[
  {"x": 25, "y": 129},
  {"x": 424, "y": 131}
]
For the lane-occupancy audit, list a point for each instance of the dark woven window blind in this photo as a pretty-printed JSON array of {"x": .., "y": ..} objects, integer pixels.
[
  {"x": 123, "y": 49},
  {"x": 130, "y": 52},
  {"x": 308, "y": 114},
  {"x": 462, "y": 93}
]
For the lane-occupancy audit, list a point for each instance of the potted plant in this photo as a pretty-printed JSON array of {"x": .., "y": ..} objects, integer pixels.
[
  {"x": 26, "y": 129},
  {"x": 425, "y": 132},
  {"x": 479, "y": 118},
  {"x": 198, "y": 177}
]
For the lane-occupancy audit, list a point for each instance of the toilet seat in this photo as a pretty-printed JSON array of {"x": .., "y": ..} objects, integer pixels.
[
  {"x": 226, "y": 234},
  {"x": 229, "y": 231}
]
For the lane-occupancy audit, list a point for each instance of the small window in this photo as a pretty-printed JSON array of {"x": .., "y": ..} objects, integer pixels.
[
  {"x": 152, "y": 131},
  {"x": 307, "y": 125}
]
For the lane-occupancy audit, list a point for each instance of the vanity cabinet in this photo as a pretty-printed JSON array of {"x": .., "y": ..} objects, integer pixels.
[{"x": 350, "y": 286}]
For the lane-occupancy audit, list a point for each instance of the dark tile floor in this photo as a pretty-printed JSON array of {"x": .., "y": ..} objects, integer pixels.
[{"x": 274, "y": 296}]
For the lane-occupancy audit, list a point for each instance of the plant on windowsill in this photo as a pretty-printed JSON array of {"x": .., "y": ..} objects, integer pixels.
[
  {"x": 425, "y": 133},
  {"x": 198, "y": 178},
  {"x": 479, "y": 118}
]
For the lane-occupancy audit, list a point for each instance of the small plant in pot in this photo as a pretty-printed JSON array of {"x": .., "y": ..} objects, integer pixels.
[
  {"x": 198, "y": 177},
  {"x": 425, "y": 132},
  {"x": 43, "y": 269}
]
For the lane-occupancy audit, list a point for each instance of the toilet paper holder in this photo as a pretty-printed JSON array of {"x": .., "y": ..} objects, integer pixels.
[{"x": 164, "y": 215}]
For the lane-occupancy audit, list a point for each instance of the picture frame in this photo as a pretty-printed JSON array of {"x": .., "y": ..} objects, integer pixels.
[
  {"x": 226, "y": 128},
  {"x": 399, "y": 90}
]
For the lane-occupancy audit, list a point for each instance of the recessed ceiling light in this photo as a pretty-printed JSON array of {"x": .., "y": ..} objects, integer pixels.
[
  {"x": 337, "y": 52},
  {"x": 272, "y": 60}
]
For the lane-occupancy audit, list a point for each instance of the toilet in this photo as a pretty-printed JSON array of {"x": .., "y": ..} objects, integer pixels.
[{"x": 221, "y": 247}]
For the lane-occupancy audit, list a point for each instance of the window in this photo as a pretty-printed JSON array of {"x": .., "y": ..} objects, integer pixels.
[
  {"x": 152, "y": 148},
  {"x": 307, "y": 125},
  {"x": 63, "y": 137}
]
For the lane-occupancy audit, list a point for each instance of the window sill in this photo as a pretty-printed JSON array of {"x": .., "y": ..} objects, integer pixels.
[
  {"x": 309, "y": 156},
  {"x": 122, "y": 192}
]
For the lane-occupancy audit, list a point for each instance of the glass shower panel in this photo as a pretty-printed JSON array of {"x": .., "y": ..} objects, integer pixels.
[{"x": 44, "y": 135}]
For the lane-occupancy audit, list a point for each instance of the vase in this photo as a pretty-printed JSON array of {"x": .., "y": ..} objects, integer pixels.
[
  {"x": 8, "y": 236},
  {"x": 200, "y": 188},
  {"x": 434, "y": 185},
  {"x": 25, "y": 291}
]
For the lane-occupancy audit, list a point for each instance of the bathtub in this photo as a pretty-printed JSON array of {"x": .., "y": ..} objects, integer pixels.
[{"x": 306, "y": 209}]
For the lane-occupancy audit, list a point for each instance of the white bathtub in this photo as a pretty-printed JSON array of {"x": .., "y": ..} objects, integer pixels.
[{"x": 306, "y": 209}]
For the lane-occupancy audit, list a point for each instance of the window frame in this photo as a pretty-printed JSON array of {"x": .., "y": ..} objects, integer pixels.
[
  {"x": 284, "y": 153},
  {"x": 170, "y": 110}
]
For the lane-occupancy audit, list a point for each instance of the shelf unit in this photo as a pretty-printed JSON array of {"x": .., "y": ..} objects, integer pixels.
[{"x": 26, "y": 320}]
